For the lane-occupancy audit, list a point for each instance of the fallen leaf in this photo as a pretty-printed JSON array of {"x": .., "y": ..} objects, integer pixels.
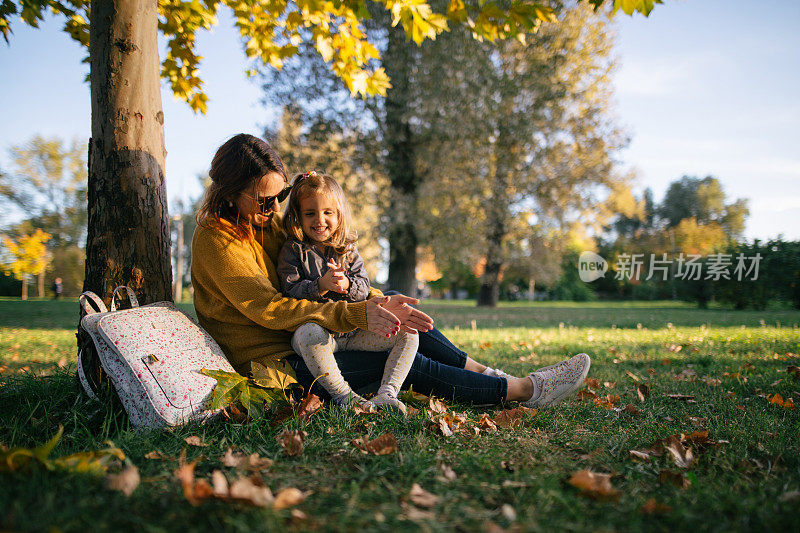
[
  {"x": 245, "y": 491},
  {"x": 651, "y": 507},
  {"x": 688, "y": 398},
  {"x": 219, "y": 484},
  {"x": 125, "y": 482},
  {"x": 593, "y": 484},
  {"x": 637, "y": 454},
  {"x": 359, "y": 409},
  {"x": 288, "y": 497},
  {"x": 412, "y": 513},
  {"x": 633, "y": 376},
  {"x": 292, "y": 441},
  {"x": 682, "y": 456},
  {"x": 712, "y": 382},
  {"x": 62, "y": 362},
  {"x": 794, "y": 371},
  {"x": 194, "y": 440},
  {"x": 631, "y": 410},
  {"x": 642, "y": 392},
  {"x": 448, "y": 474},
  {"x": 437, "y": 406},
  {"x": 486, "y": 423},
  {"x": 508, "y": 512},
  {"x": 509, "y": 418},
  {"x": 586, "y": 394},
  {"x": 439, "y": 424},
  {"x": 383, "y": 445},
  {"x": 195, "y": 492},
  {"x": 241, "y": 461},
  {"x": 698, "y": 421},
  {"x": 422, "y": 497},
  {"x": 609, "y": 384},
  {"x": 411, "y": 410},
  {"x": 592, "y": 383},
  {"x": 156, "y": 455}
]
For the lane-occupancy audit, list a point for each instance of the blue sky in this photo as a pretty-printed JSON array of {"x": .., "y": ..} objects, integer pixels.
[{"x": 702, "y": 87}]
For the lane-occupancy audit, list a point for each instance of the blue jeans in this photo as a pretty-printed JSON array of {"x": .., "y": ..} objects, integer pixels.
[{"x": 438, "y": 370}]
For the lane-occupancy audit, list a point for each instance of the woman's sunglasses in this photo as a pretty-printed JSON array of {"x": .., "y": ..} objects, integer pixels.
[{"x": 265, "y": 202}]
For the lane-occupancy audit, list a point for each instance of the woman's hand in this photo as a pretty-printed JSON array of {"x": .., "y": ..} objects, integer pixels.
[
  {"x": 379, "y": 319},
  {"x": 411, "y": 319}
]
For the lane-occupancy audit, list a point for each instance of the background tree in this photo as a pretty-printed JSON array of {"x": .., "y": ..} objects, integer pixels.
[
  {"x": 27, "y": 257},
  {"x": 47, "y": 182},
  {"x": 704, "y": 200}
]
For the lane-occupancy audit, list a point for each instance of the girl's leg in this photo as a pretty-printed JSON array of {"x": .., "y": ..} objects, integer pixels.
[
  {"x": 316, "y": 346},
  {"x": 403, "y": 349}
]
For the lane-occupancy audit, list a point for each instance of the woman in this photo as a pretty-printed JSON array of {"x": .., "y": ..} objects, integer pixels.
[{"x": 238, "y": 300}]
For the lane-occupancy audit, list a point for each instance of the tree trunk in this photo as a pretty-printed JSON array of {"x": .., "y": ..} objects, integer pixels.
[
  {"x": 497, "y": 213},
  {"x": 24, "y": 294},
  {"x": 128, "y": 241},
  {"x": 400, "y": 166},
  {"x": 40, "y": 284}
]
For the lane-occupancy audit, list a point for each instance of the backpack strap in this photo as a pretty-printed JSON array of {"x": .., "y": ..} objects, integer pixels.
[
  {"x": 87, "y": 297},
  {"x": 131, "y": 297}
]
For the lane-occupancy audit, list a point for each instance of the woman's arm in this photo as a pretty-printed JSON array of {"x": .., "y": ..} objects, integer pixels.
[{"x": 228, "y": 269}]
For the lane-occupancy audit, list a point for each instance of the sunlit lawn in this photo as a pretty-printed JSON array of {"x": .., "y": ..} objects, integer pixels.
[{"x": 729, "y": 362}]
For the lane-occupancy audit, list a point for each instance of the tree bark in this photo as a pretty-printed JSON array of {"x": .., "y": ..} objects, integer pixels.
[
  {"x": 496, "y": 221},
  {"x": 400, "y": 166},
  {"x": 24, "y": 294},
  {"x": 128, "y": 241},
  {"x": 40, "y": 284}
]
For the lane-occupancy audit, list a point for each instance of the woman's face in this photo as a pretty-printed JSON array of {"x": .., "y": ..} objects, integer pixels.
[{"x": 248, "y": 202}]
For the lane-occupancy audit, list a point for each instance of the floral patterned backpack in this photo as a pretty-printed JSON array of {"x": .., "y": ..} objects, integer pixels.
[{"x": 151, "y": 356}]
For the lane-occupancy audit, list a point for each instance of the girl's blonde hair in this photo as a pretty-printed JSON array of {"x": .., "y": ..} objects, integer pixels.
[{"x": 344, "y": 238}]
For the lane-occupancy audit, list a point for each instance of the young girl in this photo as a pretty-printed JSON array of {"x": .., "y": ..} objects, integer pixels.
[{"x": 319, "y": 262}]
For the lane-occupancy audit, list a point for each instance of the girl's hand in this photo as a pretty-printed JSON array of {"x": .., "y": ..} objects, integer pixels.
[
  {"x": 379, "y": 319},
  {"x": 412, "y": 319},
  {"x": 333, "y": 280}
]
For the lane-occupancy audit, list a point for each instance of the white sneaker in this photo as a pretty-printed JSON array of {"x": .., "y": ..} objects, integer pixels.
[{"x": 556, "y": 382}]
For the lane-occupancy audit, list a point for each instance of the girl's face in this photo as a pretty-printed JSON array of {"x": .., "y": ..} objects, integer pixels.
[
  {"x": 319, "y": 217},
  {"x": 258, "y": 210}
]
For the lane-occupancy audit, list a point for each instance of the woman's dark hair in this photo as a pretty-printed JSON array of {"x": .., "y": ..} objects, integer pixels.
[{"x": 237, "y": 167}]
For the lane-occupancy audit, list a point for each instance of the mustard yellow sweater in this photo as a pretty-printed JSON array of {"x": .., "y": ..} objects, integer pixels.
[{"x": 238, "y": 300}]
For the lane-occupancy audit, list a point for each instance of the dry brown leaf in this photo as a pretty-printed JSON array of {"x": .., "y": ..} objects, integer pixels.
[
  {"x": 631, "y": 410},
  {"x": 411, "y": 410},
  {"x": 609, "y": 384},
  {"x": 245, "y": 491},
  {"x": 682, "y": 456},
  {"x": 422, "y": 497},
  {"x": 593, "y": 484},
  {"x": 638, "y": 454},
  {"x": 486, "y": 423},
  {"x": 292, "y": 441},
  {"x": 448, "y": 474},
  {"x": 586, "y": 394},
  {"x": 156, "y": 455},
  {"x": 607, "y": 401},
  {"x": 592, "y": 383},
  {"x": 125, "y": 482},
  {"x": 241, "y": 461},
  {"x": 288, "y": 497},
  {"x": 364, "y": 409},
  {"x": 62, "y": 362},
  {"x": 651, "y": 506},
  {"x": 794, "y": 371},
  {"x": 688, "y": 398},
  {"x": 194, "y": 440},
  {"x": 383, "y": 445},
  {"x": 642, "y": 392},
  {"x": 412, "y": 513},
  {"x": 688, "y": 374},
  {"x": 195, "y": 492},
  {"x": 509, "y": 418},
  {"x": 673, "y": 478},
  {"x": 633, "y": 376},
  {"x": 439, "y": 425},
  {"x": 437, "y": 406}
]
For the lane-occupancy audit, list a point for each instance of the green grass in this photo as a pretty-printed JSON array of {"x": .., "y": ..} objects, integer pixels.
[{"x": 735, "y": 486}]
